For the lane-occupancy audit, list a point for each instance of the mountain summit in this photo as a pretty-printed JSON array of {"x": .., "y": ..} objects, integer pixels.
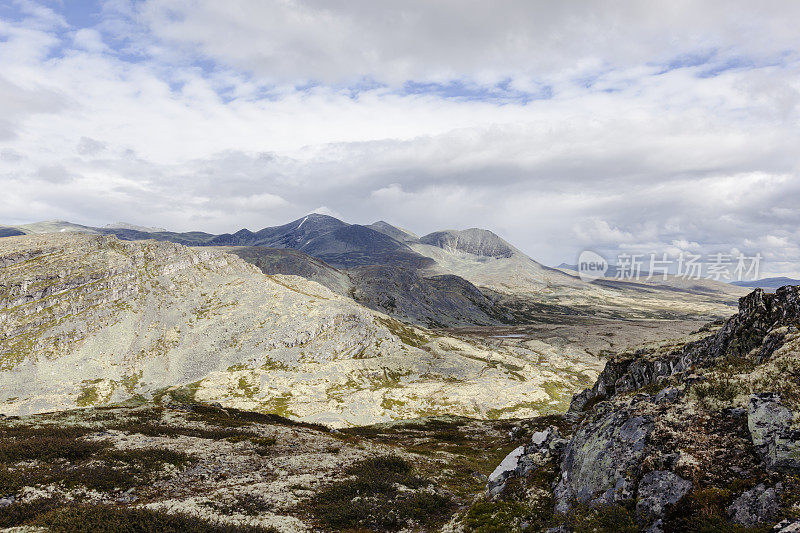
[{"x": 475, "y": 241}]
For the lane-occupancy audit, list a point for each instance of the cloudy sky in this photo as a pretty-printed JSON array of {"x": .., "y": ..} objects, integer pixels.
[{"x": 564, "y": 125}]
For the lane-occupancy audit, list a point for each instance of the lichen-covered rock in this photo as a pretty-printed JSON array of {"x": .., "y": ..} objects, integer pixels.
[
  {"x": 544, "y": 446},
  {"x": 766, "y": 417},
  {"x": 756, "y": 506},
  {"x": 769, "y": 422},
  {"x": 657, "y": 490},
  {"x": 597, "y": 461},
  {"x": 667, "y": 395}
]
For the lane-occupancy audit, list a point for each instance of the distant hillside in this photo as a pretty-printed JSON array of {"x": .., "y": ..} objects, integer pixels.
[
  {"x": 10, "y": 232},
  {"x": 768, "y": 284},
  {"x": 439, "y": 301}
]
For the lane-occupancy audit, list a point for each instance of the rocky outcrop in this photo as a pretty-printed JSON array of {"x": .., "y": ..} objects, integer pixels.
[
  {"x": 757, "y": 325},
  {"x": 672, "y": 438},
  {"x": 544, "y": 446},
  {"x": 506, "y": 469}
]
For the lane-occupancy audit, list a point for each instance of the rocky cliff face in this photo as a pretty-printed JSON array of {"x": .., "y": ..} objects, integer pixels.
[{"x": 694, "y": 436}]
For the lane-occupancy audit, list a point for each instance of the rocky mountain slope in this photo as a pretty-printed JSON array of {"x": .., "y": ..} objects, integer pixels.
[
  {"x": 88, "y": 320},
  {"x": 437, "y": 301},
  {"x": 398, "y": 234}
]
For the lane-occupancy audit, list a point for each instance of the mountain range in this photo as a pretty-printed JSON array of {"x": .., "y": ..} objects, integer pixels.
[{"x": 444, "y": 279}]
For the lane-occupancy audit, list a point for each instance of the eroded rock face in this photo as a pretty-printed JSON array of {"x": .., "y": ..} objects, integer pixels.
[
  {"x": 769, "y": 422},
  {"x": 597, "y": 461},
  {"x": 657, "y": 490},
  {"x": 756, "y": 506}
]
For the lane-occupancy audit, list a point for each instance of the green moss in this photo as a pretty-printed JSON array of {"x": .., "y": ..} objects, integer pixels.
[
  {"x": 130, "y": 381},
  {"x": 279, "y": 405},
  {"x": 494, "y": 517},
  {"x": 720, "y": 388},
  {"x": 406, "y": 334},
  {"x": 88, "y": 396},
  {"x": 390, "y": 403},
  {"x": 541, "y": 407},
  {"x": 606, "y": 518},
  {"x": 248, "y": 390}
]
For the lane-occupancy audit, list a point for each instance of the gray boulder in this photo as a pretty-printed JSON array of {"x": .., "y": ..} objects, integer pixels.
[
  {"x": 766, "y": 417},
  {"x": 657, "y": 490},
  {"x": 756, "y": 506},
  {"x": 667, "y": 395},
  {"x": 769, "y": 422},
  {"x": 6, "y": 501},
  {"x": 600, "y": 462},
  {"x": 505, "y": 470},
  {"x": 523, "y": 460}
]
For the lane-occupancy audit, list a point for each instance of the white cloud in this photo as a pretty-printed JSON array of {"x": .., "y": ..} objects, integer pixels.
[
  {"x": 423, "y": 40},
  {"x": 89, "y": 40},
  {"x": 621, "y": 154}
]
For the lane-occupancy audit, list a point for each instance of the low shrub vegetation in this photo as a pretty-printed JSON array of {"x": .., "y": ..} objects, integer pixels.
[
  {"x": 380, "y": 493},
  {"x": 113, "y": 519}
]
